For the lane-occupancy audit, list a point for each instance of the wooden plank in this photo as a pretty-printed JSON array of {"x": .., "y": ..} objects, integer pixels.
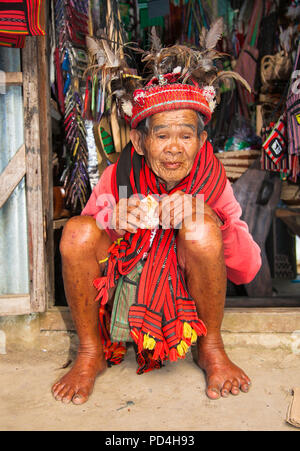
[
  {"x": 12, "y": 175},
  {"x": 232, "y": 175},
  {"x": 239, "y": 154},
  {"x": 261, "y": 320},
  {"x": 13, "y": 78},
  {"x": 237, "y": 318},
  {"x": 43, "y": 52},
  {"x": 12, "y": 304},
  {"x": 290, "y": 193},
  {"x": 235, "y": 169},
  {"x": 241, "y": 162},
  {"x": 36, "y": 250},
  {"x": 292, "y": 221},
  {"x": 285, "y": 213},
  {"x": 266, "y": 302}
]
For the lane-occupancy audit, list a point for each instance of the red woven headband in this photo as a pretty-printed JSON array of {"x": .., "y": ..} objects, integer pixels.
[{"x": 158, "y": 98}]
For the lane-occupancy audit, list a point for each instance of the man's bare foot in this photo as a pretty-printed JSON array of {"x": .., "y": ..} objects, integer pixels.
[
  {"x": 78, "y": 383},
  {"x": 222, "y": 376}
]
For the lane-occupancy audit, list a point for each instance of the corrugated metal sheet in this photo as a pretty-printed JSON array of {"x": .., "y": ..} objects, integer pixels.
[{"x": 13, "y": 222}]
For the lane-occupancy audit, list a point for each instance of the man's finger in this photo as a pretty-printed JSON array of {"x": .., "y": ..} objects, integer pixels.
[
  {"x": 174, "y": 211},
  {"x": 134, "y": 221}
]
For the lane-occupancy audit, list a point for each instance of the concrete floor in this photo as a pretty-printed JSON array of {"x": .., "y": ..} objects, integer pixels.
[{"x": 171, "y": 399}]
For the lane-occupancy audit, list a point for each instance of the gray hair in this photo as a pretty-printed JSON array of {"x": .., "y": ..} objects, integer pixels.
[{"x": 144, "y": 126}]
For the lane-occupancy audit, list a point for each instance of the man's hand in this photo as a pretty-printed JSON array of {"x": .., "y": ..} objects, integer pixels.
[
  {"x": 177, "y": 207},
  {"x": 131, "y": 214}
]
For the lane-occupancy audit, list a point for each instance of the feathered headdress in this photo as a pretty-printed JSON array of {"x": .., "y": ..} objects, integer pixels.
[{"x": 180, "y": 77}]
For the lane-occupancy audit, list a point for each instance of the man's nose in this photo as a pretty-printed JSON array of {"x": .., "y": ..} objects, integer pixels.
[{"x": 174, "y": 145}]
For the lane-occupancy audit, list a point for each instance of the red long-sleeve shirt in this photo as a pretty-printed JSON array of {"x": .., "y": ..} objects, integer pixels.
[{"x": 242, "y": 254}]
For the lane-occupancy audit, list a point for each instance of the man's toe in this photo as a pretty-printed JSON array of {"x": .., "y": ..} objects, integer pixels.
[
  {"x": 57, "y": 388},
  {"x": 235, "y": 389},
  {"x": 213, "y": 391},
  {"x": 226, "y": 389},
  {"x": 57, "y": 393},
  {"x": 68, "y": 395},
  {"x": 80, "y": 397},
  {"x": 245, "y": 387},
  {"x": 60, "y": 394}
]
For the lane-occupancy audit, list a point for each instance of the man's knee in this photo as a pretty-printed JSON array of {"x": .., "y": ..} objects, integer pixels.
[
  {"x": 80, "y": 234},
  {"x": 202, "y": 236}
]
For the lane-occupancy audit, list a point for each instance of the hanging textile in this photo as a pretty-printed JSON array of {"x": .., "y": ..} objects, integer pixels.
[
  {"x": 195, "y": 17},
  {"x": 7, "y": 40},
  {"x": 276, "y": 143},
  {"x": 293, "y": 120},
  {"x": 18, "y": 19},
  {"x": 274, "y": 156},
  {"x": 282, "y": 140},
  {"x": 293, "y": 111},
  {"x": 246, "y": 64},
  {"x": 101, "y": 99},
  {"x": 71, "y": 28}
]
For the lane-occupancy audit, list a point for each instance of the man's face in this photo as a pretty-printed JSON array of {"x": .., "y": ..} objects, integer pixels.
[{"x": 171, "y": 145}]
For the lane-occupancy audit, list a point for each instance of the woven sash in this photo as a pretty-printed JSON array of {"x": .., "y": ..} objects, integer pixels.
[
  {"x": 21, "y": 17},
  {"x": 163, "y": 319}
]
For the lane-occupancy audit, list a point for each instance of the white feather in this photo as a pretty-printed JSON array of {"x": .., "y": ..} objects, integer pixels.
[
  {"x": 127, "y": 107},
  {"x": 214, "y": 34},
  {"x": 177, "y": 70}
]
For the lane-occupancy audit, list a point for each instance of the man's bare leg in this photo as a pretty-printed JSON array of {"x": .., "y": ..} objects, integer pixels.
[
  {"x": 202, "y": 259},
  {"x": 82, "y": 245}
]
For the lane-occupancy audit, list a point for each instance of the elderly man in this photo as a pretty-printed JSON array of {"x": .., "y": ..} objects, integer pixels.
[{"x": 187, "y": 255}]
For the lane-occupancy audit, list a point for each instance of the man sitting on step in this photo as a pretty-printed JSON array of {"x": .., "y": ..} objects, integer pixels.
[{"x": 146, "y": 210}]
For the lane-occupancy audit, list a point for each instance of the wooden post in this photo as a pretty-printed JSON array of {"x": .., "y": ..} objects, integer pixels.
[
  {"x": 46, "y": 150},
  {"x": 32, "y": 97}
]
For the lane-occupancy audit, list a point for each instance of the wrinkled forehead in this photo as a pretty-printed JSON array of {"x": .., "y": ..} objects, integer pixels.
[{"x": 174, "y": 118}]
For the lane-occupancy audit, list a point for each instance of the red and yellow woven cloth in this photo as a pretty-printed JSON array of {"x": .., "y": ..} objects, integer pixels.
[
  {"x": 164, "y": 320},
  {"x": 19, "y": 18}
]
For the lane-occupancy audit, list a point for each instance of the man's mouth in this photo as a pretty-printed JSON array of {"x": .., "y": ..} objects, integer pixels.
[{"x": 172, "y": 165}]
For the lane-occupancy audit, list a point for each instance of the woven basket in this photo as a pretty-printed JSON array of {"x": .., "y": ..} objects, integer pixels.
[{"x": 275, "y": 67}]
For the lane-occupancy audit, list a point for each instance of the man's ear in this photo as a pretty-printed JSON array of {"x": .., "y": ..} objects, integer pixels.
[
  {"x": 203, "y": 138},
  {"x": 136, "y": 139}
]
